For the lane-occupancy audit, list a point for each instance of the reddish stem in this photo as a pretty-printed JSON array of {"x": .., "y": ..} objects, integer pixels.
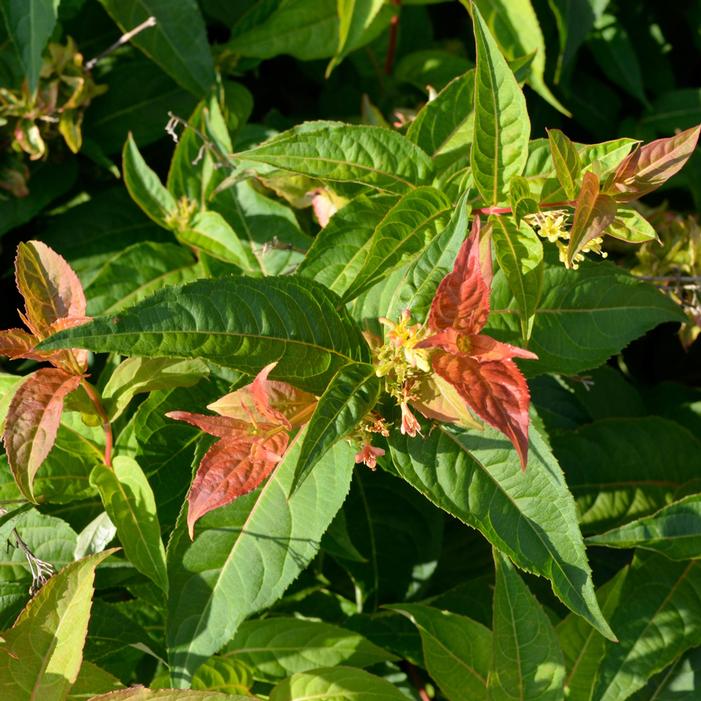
[
  {"x": 416, "y": 680},
  {"x": 106, "y": 425},
  {"x": 393, "y": 30},
  {"x": 508, "y": 210}
]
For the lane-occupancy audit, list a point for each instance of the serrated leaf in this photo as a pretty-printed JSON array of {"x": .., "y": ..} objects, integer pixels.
[
  {"x": 136, "y": 272},
  {"x": 476, "y": 477},
  {"x": 403, "y": 233},
  {"x": 278, "y": 647},
  {"x": 457, "y": 650},
  {"x": 47, "y": 639},
  {"x": 674, "y": 531},
  {"x": 502, "y": 127},
  {"x": 336, "y": 152},
  {"x": 209, "y": 233},
  {"x": 129, "y": 502},
  {"x": 225, "y": 675},
  {"x": 351, "y": 394},
  {"x": 246, "y": 554},
  {"x": 582, "y": 646},
  {"x": 519, "y": 252},
  {"x": 136, "y": 375},
  {"x": 335, "y": 684},
  {"x": 527, "y": 661},
  {"x": 622, "y": 469},
  {"x": 646, "y": 168},
  {"x": 656, "y": 621},
  {"x": 584, "y": 316},
  {"x": 244, "y": 323},
  {"x": 517, "y": 30},
  {"x": 177, "y": 42},
  {"x": 566, "y": 161},
  {"x": 443, "y": 127},
  {"x": 29, "y": 23},
  {"x": 145, "y": 186},
  {"x": 32, "y": 423}
]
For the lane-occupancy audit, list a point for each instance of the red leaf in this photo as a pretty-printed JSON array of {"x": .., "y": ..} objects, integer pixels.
[
  {"x": 232, "y": 467},
  {"x": 220, "y": 426},
  {"x": 51, "y": 290},
  {"x": 462, "y": 298},
  {"x": 32, "y": 422},
  {"x": 592, "y": 214},
  {"x": 647, "y": 167},
  {"x": 496, "y": 391}
]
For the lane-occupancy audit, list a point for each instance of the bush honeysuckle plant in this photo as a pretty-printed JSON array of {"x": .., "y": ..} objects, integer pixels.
[{"x": 350, "y": 407}]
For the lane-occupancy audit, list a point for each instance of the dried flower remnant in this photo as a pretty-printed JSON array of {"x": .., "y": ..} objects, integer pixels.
[
  {"x": 447, "y": 367},
  {"x": 253, "y": 426}
]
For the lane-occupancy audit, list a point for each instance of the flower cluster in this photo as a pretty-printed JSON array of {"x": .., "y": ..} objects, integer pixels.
[{"x": 552, "y": 225}]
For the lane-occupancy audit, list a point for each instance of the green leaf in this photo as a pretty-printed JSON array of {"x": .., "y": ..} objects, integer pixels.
[
  {"x": 246, "y": 554},
  {"x": 129, "y": 502},
  {"x": 502, "y": 126},
  {"x": 584, "y": 316},
  {"x": 354, "y": 19},
  {"x": 521, "y": 199},
  {"x": 278, "y": 647},
  {"x": 340, "y": 249},
  {"x": 657, "y": 620},
  {"x": 632, "y": 227},
  {"x": 136, "y": 272},
  {"x": 29, "y": 24},
  {"x": 95, "y": 537},
  {"x": 46, "y": 641},
  {"x": 351, "y": 394},
  {"x": 443, "y": 127},
  {"x": 177, "y": 43},
  {"x": 237, "y": 322},
  {"x": 457, "y": 650},
  {"x": 135, "y": 375},
  {"x": 574, "y": 18},
  {"x": 678, "y": 683},
  {"x": 435, "y": 67},
  {"x": 91, "y": 681},
  {"x": 209, "y": 233},
  {"x": 527, "y": 662},
  {"x": 225, "y": 675},
  {"x": 403, "y": 234},
  {"x": 623, "y": 469},
  {"x": 138, "y": 693},
  {"x": 674, "y": 531},
  {"x": 519, "y": 252},
  {"x": 516, "y": 29},
  {"x": 566, "y": 161},
  {"x": 380, "y": 158},
  {"x": 144, "y": 185},
  {"x": 530, "y": 516},
  {"x": 335, "y": 684},
  {"x": 582, "y": 646},
  {"x": 674, "y": 110}
]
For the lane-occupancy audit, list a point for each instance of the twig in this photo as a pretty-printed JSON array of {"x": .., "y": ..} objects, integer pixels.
[
  {"x": 106, "y": 425},
  {"x": 41, "y": 571},
  {"x": 222, "y": 158},
  {"x": 150, "y": 22},
  {"x": 416, "y": 680},
  {"x": 393, "y": 31},
  {"x": 692, "y": 279}
]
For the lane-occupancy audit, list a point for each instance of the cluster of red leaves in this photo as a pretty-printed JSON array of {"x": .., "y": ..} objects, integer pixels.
[
  {"x": 253, "y": 426},
  {"x": 54, "y": 300},
  {"x": 480, "y": 368}
]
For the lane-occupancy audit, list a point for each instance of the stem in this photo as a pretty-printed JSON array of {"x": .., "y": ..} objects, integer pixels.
[
  {"x": 150, "y": 22},
  {"x": 508, "y": 210},
  {"x": 393, "y": 30},
  {"x": 416, "y": 680},
  {"x": 107, "y": 427}
]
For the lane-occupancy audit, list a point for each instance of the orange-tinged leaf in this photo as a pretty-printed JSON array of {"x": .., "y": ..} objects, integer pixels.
[
  {"x": 462, "y": 298},
  {"x": 233, "y": 466},
  {"x": 50, "y": 288},
  {"x": 647, "y": 167},
  {"x": 17, "y": 343},
  {"x": 437, "y": 399},
  {"x": 592, "y": 214},
  {"x": 32, "y": 422},
  {"x": 496, "y": 391},
  {"x": 220, "y": 426},
  {"x": 267, "y": 401}
]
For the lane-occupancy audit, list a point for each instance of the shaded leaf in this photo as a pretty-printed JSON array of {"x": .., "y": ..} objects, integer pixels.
[
  {"x": 566, "y": 161},
  {"x": 278, "y": 647},
  {"x": 91, "y": 681},
  {"x": 631, "y": 226},
  {"x": 457, "y": 650},
  {"x": 32, "y": 423},
  {"x": 354, "y": 20},
  {"x": 139, "y": 693},
  {"x": 129, "y": 502},
  {"x": 527, "y": 661}
]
